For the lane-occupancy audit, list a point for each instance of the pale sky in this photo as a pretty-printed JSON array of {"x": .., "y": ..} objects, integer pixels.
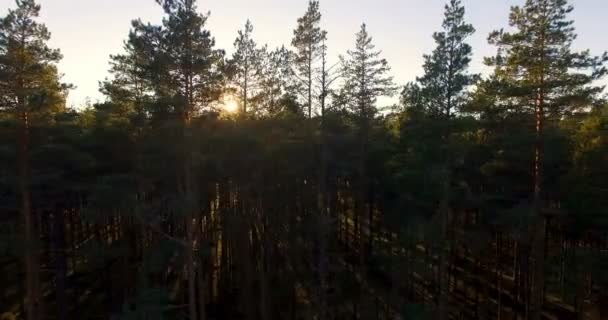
[{"x": 88, "y": 31}]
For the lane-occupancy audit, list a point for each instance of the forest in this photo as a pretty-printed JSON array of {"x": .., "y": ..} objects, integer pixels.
[{"x": 272, "y": 184}]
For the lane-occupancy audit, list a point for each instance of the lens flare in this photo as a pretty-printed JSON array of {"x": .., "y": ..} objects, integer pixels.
[{"x": 230, "y": 104}]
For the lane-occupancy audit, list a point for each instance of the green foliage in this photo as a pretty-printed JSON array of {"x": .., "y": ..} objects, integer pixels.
[
  {"x": 441, "y": 90},
  {"x": 247, "y": 67},
  {"x": 30, "y": 81},
  {"x": 584, "y": 187},
  {"x": 307, "y": 40},
  {"x": 365, "y": 77},
  {"x": 537, "y": 56}
]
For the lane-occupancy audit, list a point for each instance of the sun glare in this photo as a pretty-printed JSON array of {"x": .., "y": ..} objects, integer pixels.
[{"x": 230, "y": 104}]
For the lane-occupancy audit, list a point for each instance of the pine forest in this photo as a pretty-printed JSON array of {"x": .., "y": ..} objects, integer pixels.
[{"x": 277, "y": 183}]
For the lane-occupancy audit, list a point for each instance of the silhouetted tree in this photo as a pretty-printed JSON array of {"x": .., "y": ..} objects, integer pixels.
[
  {"x": 247, "y": 64},
  {"x": 308, "y": 39},
  {"x": 29, "y": 86}
]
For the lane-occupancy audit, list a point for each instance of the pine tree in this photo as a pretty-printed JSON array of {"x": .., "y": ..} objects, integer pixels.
[
  {"x": 538, "y": 75},
  {"x": 192, "y": 66},
  {"x": 365, "y": 80},
  {"x": 308, "y": 39},
  {"x": 247, "y": 66},
  {"x": 29, "y": 85},
  {"x": 278, "y": 92},
  {"x": 131, "y": 82},
  {"x": 194, "y": 70},
  {"x": 365, "y": 77},
  {"x": 433, "y": 102},
  {"x": 175, "y": 74},
  {"x": 328, "y": 75},
  {"x": 445, "y": 69}
]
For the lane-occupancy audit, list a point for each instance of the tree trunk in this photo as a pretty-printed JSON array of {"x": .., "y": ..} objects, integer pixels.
[
  {"x": 262, "y": 276},
  {"x": 499, "y": 276},
  {"x": 538, "y": 226},
  {"x": 202, "y": 304},
  {"x": 538, "y": 229},
  {"x": 603, "y": 303},
  {"x": 32, "y": 277},
  {"x": 309, "y": 73},
  {"x": 443, "y": 261},
  {"x": 245, "y": 91},
  {"x": 60, "y": 265},
  {"x": 191, "y": 270}
]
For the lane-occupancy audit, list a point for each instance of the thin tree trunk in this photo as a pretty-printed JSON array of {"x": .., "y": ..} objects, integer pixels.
[
  {"x": 499, "y": 276},
  {"x": 32, "y": 281},
  {"x": 190, "y": 229},
  {"x": 202, "y": 304},
  {"x": 60, "y": 265},
  {"x": 370, "y": 217},
  {"x": 603, "y": 303},
  {"x": 443, "y": 261},
  {"x": 324, "y": 225},
  {"x": 263, "y": 277},
  {"x": 580, "y": 303},
  {"x": 538, "y": 227},
  {"x": 310, "y": 58},
  {"x": 245, "y": 91},
  {"x": 191, "y": 271}
]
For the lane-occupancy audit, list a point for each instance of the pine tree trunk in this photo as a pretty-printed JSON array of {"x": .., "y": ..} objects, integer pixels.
[
  {"x": 309, "y": 73},
  {"x": 603, "y": 303},
  {"x": 370, "y": 217},
  {"x": 202, "y": 302},
  {"x": 191, "y": 236},
  {"x": 499, "y": 276},
  {"x": 262, "y": 275},
  {"x": 362, "y": 195},
  {"x": 191, "y": 270},
  {"x": 323, "y": 230},
  {"x": 580, "y": 303},
  {"x": 443, "y": 261},
  {"x": 60, "y": 265},
  {"x": 245, "y": 91},
  {"x": 32, "y": 281},
  {"x": 323, "y": 214},
  {"x": 538, "y": 227}
]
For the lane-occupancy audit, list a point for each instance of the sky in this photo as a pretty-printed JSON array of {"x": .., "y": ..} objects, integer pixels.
[{"x": 89, "y": 31}]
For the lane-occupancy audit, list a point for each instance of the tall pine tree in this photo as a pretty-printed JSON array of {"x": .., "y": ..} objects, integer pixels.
[
  {"x": 365, "y": 76},
  {"x": 192, "y": 66},
  {"x": 246, "y": 66},
  {"x": 278, "y": 92},
  {"x": 446, "y": 69},
  {"x": 432, "y": 103},
  {"x": 308, "y": 39},
  {"x": 29, "y": 85},
  {"x": 365, "y": 80},
  {"x": 538, "y": 75}
]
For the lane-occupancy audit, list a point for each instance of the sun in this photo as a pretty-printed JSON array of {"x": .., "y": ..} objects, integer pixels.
[{"x": 229, "y": 104}]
